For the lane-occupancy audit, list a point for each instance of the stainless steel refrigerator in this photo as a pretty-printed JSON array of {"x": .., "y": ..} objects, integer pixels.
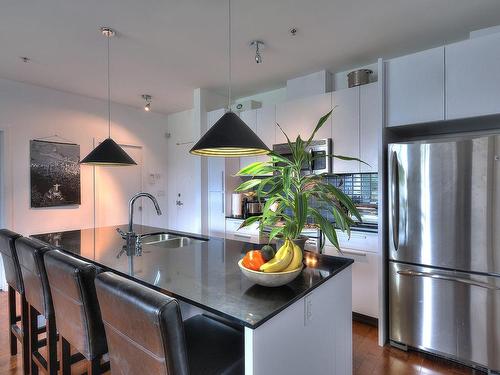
[{"x": 444, "y": 252}]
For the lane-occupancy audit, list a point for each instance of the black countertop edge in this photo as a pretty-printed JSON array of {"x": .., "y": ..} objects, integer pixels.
[{"x": 321, "y": 259}]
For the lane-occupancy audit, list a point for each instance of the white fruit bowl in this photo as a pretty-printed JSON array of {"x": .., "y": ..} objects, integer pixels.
[{"x": 272, "y": 279}]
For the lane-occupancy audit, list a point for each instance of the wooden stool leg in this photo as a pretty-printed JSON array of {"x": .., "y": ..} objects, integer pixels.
[
  {"x": 26, "y": 334},
  {"x": 33, "y": 338},
  {"x": 12, "y": 320},
  {"x": 51, "y": 346},
  {"x": 94, "y": 366},
  {"x": 65, "y": 356}
]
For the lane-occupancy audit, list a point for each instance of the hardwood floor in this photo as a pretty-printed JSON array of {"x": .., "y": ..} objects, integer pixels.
[{"x": 368, "y": 357}]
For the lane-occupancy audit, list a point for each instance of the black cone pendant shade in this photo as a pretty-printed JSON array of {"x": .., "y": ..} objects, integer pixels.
[
  {"x": 230, "y": 137},
  {"x": 108, "y": 153}
]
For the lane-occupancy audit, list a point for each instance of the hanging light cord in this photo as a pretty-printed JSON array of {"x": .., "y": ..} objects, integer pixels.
[
  {"x": 229, "y": 55},
  {"x": 109, "y": 94}
]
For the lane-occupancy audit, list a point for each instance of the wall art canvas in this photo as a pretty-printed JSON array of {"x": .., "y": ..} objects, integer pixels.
[{"x": 55, "y": 174}]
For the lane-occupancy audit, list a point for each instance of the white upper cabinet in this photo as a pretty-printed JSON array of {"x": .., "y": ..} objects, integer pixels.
[
  {"x": 249, "y": 117},
  {"x": 473, "y": 77},
  {"x": 263, "y": 122},
  {"x": 370, "y": 126},
  {"x": 415, "y": 91},
  {"x": 345, "y": 129},
  {"x": 300, "y": 116}
]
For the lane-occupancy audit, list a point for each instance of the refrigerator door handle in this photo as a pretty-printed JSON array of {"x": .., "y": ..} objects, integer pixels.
[
  {"x": 395, "y": 199},
  {"x": 448, "y": 278}
]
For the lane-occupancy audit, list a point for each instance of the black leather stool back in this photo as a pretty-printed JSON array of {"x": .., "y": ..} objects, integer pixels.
[
  {"x": 10, "y": 260},
  {"x": 144, "y": 328},
  {"x": 37, "y": 291},
  {"x": 78, "y": 317}
]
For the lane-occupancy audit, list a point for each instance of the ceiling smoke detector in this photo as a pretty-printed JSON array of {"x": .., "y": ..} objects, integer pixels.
[{"x": 293, "y": 31}]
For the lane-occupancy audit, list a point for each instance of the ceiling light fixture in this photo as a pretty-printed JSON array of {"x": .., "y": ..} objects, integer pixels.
[
  {"x": 25, "y": 59},
  {"x": 230, "y": 136},
  {"x": 108, "y": 152},
  {"x": 147, "y": 98},
  {"x": 257, "y": 44}
]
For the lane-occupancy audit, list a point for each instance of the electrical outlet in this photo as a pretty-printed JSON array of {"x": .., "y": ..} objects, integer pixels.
[{"x": 307, "y": 310}]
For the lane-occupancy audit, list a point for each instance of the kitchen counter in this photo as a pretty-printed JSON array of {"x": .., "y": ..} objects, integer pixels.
[{"x": 206, "y": 275}]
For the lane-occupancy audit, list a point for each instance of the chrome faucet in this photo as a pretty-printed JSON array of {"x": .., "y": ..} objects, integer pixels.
[{"x": 133, "y": 241}]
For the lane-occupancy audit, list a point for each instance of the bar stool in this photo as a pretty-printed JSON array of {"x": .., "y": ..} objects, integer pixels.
[
  {"x": 15, "y": 285},
  {"x": 146, "y": 334},
  {"x": 77, "y": 313},
  {"x": 37, "y": 292}
]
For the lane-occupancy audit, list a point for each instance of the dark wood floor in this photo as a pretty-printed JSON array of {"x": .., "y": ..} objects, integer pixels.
[{"x": 368, "y": 357}]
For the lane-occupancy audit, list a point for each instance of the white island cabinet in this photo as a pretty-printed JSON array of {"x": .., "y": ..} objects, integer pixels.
[{"x": 313, "y": 336}]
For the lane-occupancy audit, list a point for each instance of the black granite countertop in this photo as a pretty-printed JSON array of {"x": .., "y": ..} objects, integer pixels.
[{"x": 203, "y": 274}]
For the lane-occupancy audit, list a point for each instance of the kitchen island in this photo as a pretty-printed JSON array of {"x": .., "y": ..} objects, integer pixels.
[{"x": 303, "y": 327}]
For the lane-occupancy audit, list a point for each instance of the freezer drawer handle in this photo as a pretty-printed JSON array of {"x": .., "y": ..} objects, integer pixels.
[
  {"x": 449, "y": 278},
  {"x": 353, "y": 252},
  {"x": 395, "y": 199}
]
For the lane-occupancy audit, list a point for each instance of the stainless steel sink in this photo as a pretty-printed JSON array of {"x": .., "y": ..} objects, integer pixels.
[{"x": 169, "y": 240}]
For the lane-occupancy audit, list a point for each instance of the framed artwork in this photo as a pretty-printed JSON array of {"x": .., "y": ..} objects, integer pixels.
[{"x": 55, "y": 174}]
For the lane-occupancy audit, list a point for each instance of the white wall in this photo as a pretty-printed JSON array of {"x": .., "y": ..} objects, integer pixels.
[
  {"x": 267, "y": 98},
  {"x": 28, "y": 112}
]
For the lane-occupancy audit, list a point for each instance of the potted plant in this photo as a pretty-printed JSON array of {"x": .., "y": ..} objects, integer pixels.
[{"x": 288, "y": 194}]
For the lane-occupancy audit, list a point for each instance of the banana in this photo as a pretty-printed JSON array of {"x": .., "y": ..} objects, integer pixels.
[
  {"x": 281, "y": 260},
  {"x": 296, "y": 260}
]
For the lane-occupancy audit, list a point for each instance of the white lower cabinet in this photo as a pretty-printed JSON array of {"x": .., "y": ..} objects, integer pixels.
[
  {"x": 247, "y": 234},
  {"x": 365, "y": 270}
]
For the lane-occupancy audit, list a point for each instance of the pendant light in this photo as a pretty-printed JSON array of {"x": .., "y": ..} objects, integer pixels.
[
  {"x": 108, "y": 152},
  {"x": 230, "y": 136}
]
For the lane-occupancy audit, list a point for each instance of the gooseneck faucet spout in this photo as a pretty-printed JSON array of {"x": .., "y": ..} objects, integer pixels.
[
  {"x": 133, "y": 241},
  {"x": 131, "y": 208}
]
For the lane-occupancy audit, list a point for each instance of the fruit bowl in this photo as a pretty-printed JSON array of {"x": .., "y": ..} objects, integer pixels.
[{"x": 272, "y": 279}]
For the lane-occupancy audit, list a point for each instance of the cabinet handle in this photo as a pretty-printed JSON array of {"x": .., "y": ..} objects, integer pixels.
[
  {"x": 222, "y": 180},
  {"x": 353, "y": 252},
  {"x": 242, "y": 235},
  {"x": 395, "y": 200},
  {"x": 223, "y": 202}
]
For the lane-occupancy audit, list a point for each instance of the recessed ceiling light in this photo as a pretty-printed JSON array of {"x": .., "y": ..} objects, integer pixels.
[
  {"x": 147, "y": 98},
  {"x": 293, "y": 31},
  {"x": 258, "y": 45}
]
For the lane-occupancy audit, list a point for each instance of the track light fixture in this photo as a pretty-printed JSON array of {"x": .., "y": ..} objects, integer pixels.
[
  {"x": 147, "y": 98},
  {"x": 257, "y": 44}
]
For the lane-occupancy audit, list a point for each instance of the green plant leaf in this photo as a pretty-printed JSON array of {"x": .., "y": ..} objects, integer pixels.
[
  {"x": 255, "y": 169},
  {"x": 247, "y": 185},
  {"x": 275, "y": 232},
  {"x": 326, "y": 227},
  {"x": 321, "y": 122},
  {"x": 249, "y": 221}
]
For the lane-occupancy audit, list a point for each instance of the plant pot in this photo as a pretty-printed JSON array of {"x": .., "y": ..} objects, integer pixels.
[{"x": 300, "y": 242}]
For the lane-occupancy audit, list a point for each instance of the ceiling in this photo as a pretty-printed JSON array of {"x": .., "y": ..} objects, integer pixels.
[{"x": 167, "y": 48}]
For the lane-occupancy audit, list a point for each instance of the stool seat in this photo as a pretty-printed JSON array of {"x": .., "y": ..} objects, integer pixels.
[{"x": 213, "y": 348}]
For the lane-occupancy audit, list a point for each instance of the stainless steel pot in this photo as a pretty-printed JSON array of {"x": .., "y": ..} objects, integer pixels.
[
  {"x": 359, "y": 77},
  {"x": 254, "y": 208}
]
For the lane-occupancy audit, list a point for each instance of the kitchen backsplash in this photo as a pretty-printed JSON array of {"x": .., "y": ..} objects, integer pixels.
[{"x": 362, "y": 188}]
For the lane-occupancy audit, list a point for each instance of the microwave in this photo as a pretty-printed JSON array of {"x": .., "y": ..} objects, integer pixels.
[{"x": 320, "y": 150}]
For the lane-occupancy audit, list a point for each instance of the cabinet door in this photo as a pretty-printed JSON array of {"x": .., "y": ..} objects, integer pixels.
[
  {"x": 345, "y": 132},
  {"x": 415, "y": 88},
  {"x": 216, "y": 166},
  {"x": 216, "y": 214},
  {"x": 266, "y": 128},
  {"x": 300, "y": 116},
  {"x": 250, "y": 118},
  {"x": 370, "y": 126},
  {"x": 365, "y": 298},
  {"x": 473, "y": 77}
]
